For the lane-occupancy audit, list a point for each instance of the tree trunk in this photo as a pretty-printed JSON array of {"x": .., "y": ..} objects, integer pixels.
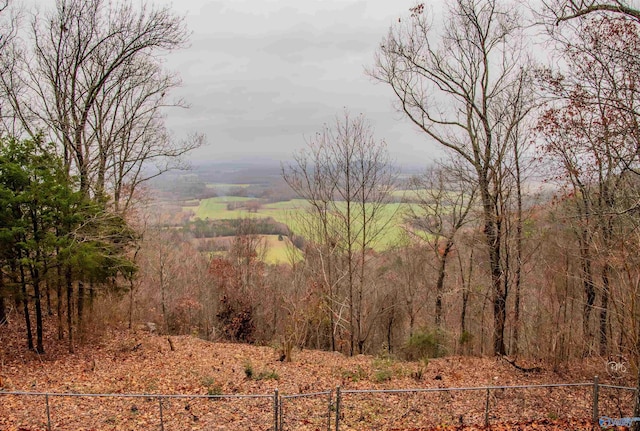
[
  {"x": 518, "y": 268},
  {"x": 80, "y": 309},
  {"x": 589, "y": 289},
  {"x": 131, "y": 294},
  {"x": 48, "y": 294},
  {"x": 499, "y": 296},
  {"x": 3, "y": 306},
  {"x": 25, "y": 304},
  {"x": 69, "y": 308},
  {"x": 466, "y": 289},
  {"x": 59, "y": 303},
  {"x": 39, "y": 323},
  {"x": 606, "y": 270},
  {"x": 440, "y": 282},
  {"x": 35, "y": 280},
  {"x": 92, "y": 296}
]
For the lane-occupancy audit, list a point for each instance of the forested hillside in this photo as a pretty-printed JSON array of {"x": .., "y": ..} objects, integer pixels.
[{"x": 522, "y": 240}]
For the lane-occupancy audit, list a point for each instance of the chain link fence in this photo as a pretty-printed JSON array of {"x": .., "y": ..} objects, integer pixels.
[{"x": 331, "y": 410}]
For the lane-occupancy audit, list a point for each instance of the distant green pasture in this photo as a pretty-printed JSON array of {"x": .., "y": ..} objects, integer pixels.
[
  {"x": 291, "y": 214},
  {"x": 280, "y": 251}
]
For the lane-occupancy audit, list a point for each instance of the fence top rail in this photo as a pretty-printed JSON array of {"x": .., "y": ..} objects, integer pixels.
[
  {"x": 153, "y": 396},
  {"x": 476, "y": 388},
  {"x": 312, "y": 394},
  {"x": 618, "y": 387},
  {"x": 344, "y": 391}
]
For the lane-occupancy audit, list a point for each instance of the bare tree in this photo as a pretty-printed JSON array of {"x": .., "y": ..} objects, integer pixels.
[
  {"x": 445, "y": 197},
  {"x": 461, "y": 91},
  {"x": 347, "y": 177},
  {"x": 92, "y": 79}
]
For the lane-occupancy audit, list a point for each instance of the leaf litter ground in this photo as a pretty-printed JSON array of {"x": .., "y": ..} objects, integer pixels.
[{"x": 136, "y": 362}]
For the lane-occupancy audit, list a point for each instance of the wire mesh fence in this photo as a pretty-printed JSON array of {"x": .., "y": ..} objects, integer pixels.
[
  {"x": 387, "y": 409},
  {"x": 390, "y": 409},
  {"x": 137, "y": 411},
  {"x": 616, "y": 401},
  {"x": 306, "y": 411}
]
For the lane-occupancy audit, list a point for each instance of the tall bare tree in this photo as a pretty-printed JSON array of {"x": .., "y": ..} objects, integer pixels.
[{"x": 467, "y": 90}]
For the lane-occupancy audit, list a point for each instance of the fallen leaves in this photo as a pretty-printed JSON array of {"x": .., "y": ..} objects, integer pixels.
[{"x": 140, "y": 363}]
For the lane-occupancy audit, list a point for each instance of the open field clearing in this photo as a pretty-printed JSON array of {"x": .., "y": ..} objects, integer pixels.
[
  {"x": 277, "y": 251},
  {"x": 292, "y": 213}
]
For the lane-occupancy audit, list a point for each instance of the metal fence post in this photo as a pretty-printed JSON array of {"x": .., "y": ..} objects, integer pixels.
[
  {"x": 281, "y": 413},
  {"x": 338, "y": 401},
  {"x": 161, "y": 418},
  {"x": 276, "y": 410},
  {"x": 46, "y": 401},
  {"x": 486, "y": 410},
  {"x": 596, "y": 394},
  {"x": 329, "y": 411}
]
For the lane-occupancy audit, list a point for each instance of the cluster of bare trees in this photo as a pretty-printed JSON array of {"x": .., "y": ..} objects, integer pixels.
[
  {"x": 82, "y": 85},
  {"x": 346, "y": 176},
  {"x": 87, "y": 75}
]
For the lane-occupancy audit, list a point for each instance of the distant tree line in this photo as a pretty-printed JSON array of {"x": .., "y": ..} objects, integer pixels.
[{"x": 231, "y": 227}]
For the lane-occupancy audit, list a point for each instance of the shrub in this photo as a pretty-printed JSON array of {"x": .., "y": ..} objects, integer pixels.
[
  {"x": 465, "y": 338},
  {"x": 354, "y": 376},
  {"x": 382, "y": 375},
  {"x": 248, "y": 370},
  {"x": 424, "y": 344},
  {"x": 268, "y": 375},
  {"x": 213, "y": 388},
  {"x": 383, "y": 365},
  {"x": 263, "y": 375}
]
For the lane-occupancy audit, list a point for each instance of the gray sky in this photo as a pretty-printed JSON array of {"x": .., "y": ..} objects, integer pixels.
[{"x": 262, "y": 75}]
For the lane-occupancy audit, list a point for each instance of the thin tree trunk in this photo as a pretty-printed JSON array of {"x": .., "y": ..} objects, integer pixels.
[
  {"x": 589, "y": 288},
  {"x": 518, "y": 268},
  {"x": 70, "y": 308},
  {"x": 606, "y": 270},
  {"x": 59, "y": 303},
  {"x": 92, "y": 296},
  {"x": 440, "y": 282},
  {"x": 39, "y": 322},
  {"x": 3, "y": 306},
  {"x": 131, "y": 293},
  {"x": 80, "y": 310},
  {"x": 48, "y": 295},
  {"x": 466, "y": 289},
  {"x": 25, "y": 304}
]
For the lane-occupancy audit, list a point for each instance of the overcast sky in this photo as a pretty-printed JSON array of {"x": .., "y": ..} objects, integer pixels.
[{"x": 262, "y": 75}]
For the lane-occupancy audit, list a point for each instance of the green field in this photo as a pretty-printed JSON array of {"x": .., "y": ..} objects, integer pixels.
[
  {"x": 280, "y": 251},
  {"x": 291, "y": 214}
]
